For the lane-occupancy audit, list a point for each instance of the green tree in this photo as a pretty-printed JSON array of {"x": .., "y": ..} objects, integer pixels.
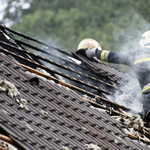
[{"x": 115, "y": 24}]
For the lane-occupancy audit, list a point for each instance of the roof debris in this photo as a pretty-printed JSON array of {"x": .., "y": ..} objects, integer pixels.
[
  {"x": 64, "y": 148},
  {"x": 134, "y": 127},
  {"x": 9, "y": 87},
  {"x": 92, "y": 147},
  {"x": 7, "y": 145},
  {"x": 12, "y": 92}
]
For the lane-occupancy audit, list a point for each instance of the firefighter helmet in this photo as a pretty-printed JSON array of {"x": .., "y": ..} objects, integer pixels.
[
  {"x": 88, "y": 44},
  {"x": 145, "y": 39}
]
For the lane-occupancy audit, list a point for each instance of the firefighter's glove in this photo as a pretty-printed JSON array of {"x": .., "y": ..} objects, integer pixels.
[{"x": 90, "y": 53}]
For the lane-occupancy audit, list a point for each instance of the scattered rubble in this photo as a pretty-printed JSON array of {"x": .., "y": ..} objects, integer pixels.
[
  {"x": 12, "y": 92},
  {"x": 6, "y": 145},
  {"x": 92, "y": 147},
  {"x": 134, "y": 127},
  {"x": 64, "y": 148}
]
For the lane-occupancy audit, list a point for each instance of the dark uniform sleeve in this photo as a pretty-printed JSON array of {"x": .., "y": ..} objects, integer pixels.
[{"x": 115, "y": 57}]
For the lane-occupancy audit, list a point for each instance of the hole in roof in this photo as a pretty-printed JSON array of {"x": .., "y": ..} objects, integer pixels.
[
  {"x": 73, "y": 99},
  {"x": 61, "y": 113},
  {"x": 75, "y": 109},
  {"x": 58, "y": 102},
  {"x": 50, "y": 90},
  {"x": 52, "y": 110},
  {"x": 61, "y": 123},
  {"x": 101, "y": 128},
  {"x": 41, "y": 87},
  {"x": 12, "y": 115},
  {"x": 25, "y": 90},
  {"x": 17, "y": 78},
  {"x": 69, "y": 116},
  {"x": 64, "y": 134},
  {"x": 71, "y": 126},
  {"x": 24, "y": 80},
  {"x": 117, "y": 134},
  {"x": 51, "y": 99},
  {"x": 2, "y": 101},
  {"x": 19, "y": 108},
  {"x": 7, "y": 64},
  {"x": 44, "y": 107},
  {"x": 82, "y": 102},
  {"x": 66, "y": 96},
  {"x": 91, "y": 115},
  {"x": 93, "y": 125},
  {"x": 57, "y": 92},
  {"x": 99, "y": 118},
  {"x": 9, "y": 75},
  {"x": 109, "y": 131},
  {"x": 53, "y": 120},
  {"x": 42, "y": 96},
  {"x": 66, "y": 144},
  {"x": 106, "y": 121},
  {"x": 40, "y": 135},
  {"x": 36, "y": 114},
  {"x": 56, "y": 131},
  {"x": 77, "y": 119},
  {"x": 67, "y": 106},
  {"x": 34, "y": 94},
  {"x": 38, "y": 124},
  {"x": 83, "y": 112},
  {"x": 43, "y": 147},
  {"x": 85, "y": 121},
  {"x": 79, "y": 129},
  {"x": 58, "y": 141},
  {"x": 1, "y": 71},
  {"x": 49, "y": 138},
  {"x": 35, "y": 104}
]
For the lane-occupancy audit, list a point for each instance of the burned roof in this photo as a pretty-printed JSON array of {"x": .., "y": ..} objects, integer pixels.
[{"x": 52, "y": 99}]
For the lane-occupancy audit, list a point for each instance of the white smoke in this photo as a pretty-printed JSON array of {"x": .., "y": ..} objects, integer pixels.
[
  {"x": 132, "y": 34},
  {"x": 129, "y": 97},
  {"x": 130, "y": 37}
]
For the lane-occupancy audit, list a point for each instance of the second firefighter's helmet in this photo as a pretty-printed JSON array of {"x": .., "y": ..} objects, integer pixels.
[
  {"x": 145, "y": 39},
  {"x": 88, "y": 44}
]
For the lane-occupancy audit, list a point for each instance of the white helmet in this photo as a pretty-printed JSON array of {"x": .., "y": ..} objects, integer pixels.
[
  {"x": 88, "y": 44},
  {"x": 145, "y": 39}
]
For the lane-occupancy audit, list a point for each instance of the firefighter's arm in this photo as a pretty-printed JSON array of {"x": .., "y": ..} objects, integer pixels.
[
  {"x": 111, "y": 57},
  {"x": 104, "y": 55}
]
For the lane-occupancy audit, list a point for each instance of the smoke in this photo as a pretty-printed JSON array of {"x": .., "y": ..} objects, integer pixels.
[
  {"x": 129, "y": 38},
  {"x": 130, "y": 96},
  {"x": 131, "y": 35}
]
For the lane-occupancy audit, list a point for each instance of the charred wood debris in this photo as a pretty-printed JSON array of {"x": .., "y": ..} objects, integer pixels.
[{"x": 97, "y": 83}]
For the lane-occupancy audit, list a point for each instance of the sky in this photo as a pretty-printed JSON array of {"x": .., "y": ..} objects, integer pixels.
[{"x": 3, "y": 5}]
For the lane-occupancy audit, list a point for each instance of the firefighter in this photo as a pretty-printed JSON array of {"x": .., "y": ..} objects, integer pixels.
[{"x": 138, "y": 60}]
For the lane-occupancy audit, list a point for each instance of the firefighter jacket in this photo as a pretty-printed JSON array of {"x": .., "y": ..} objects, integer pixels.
[{"x": 138, "y": 60}]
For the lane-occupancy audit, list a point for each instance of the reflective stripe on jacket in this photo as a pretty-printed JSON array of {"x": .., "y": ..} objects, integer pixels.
[{"x": 138, "y": 60}]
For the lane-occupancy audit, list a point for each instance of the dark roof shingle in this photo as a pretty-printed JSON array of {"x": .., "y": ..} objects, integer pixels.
[{"x": 57, "y": 115}]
